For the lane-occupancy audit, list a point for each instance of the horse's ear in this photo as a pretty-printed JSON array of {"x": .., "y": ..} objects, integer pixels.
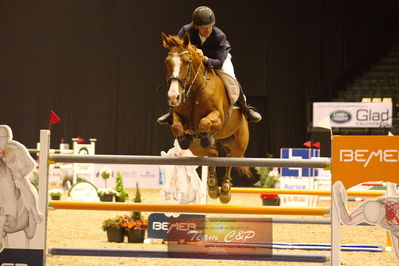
[
  {"x": 165, "y": 40},
  {"x": 186, "y": 39}
]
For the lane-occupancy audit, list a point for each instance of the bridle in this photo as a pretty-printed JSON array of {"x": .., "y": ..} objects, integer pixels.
[{"x": 184, "y": 91}]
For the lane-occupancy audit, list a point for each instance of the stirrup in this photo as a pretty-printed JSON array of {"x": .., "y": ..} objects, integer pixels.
[
  {"x": 165, "y": 119},
  {"x": 253, "y": 116}
]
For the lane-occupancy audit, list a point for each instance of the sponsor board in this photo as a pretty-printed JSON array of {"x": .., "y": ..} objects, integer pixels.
[
  {"x": 292, "y": 153},
  {"x": 358, "y": 159},
  {"x": 354, "y": 114},
  {"x": 222, "y": 237},
  {"x": 160, "y": 225}
]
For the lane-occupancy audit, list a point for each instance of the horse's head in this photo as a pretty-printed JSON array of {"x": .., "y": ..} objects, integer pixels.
[{"x": 182, "y": 66}]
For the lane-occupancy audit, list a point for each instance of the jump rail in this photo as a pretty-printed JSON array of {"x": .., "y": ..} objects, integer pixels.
[
  {"x": 162, "y": 160},
  {"x": 372, "y": 193},
  {"x": 164, "y": 254},
  {"x": 177, "y": 208}
]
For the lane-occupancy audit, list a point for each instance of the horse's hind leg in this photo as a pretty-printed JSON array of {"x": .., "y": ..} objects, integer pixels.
[
  {"x": 225, "y": 194},
  {"x": 213, "y": 188},
  {"x": 212, "y": 181}
]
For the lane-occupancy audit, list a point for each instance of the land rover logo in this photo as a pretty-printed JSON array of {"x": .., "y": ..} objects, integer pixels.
[{"x": 340, "y": 116}]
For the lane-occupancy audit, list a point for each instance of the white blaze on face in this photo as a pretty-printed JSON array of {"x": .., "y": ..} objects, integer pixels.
[{"x": 173, "y": 92}]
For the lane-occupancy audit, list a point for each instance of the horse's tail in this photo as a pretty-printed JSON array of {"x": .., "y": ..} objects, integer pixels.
[{"x": 245, "y": 171}]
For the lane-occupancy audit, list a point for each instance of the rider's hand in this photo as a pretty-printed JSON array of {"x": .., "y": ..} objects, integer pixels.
[{"x": 205, "y": 60}]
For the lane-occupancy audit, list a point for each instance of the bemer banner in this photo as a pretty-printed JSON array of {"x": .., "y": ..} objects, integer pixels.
[{"x": 354, "y": 114}]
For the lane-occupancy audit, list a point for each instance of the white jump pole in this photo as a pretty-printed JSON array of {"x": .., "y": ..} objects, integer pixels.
[{"x": 43, "y": 184}]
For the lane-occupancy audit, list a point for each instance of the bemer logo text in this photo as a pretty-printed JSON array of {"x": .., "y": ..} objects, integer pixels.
[{"x": 366, "y": 156}]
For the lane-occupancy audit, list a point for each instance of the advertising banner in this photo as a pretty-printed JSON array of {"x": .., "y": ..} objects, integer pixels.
[
  {"x": 358, "y": 159},
  {"x": 354, "y": 114}
]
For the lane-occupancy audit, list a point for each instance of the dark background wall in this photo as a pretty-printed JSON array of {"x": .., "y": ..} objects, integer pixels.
[{"x": 99, "y": 64}]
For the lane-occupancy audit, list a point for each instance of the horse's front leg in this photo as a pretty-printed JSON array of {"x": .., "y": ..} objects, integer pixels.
[
  {"x": 177, "y": 125},
  {"x": 210, "y": 123}
]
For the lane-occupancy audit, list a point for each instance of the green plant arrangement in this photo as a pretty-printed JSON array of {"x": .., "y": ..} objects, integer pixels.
[
  {"x": 121, "y": 193},
  {"x": 55, "y": 194},
  {"x": 106, "y": 194},
  {"x": 105, "y": 174},
  {"x": 268, "y": 178},
  {"x": 137, "y": 199},
  {"x": 120, "y": 226},
  {"x": 115, "y": 229},
  {"x": 133, "y": 225}
]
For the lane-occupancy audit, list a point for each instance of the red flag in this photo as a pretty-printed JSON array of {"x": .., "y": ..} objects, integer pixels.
[
  {"x": 54, "y": 119},
  {"x": 316, "y": 145},
  {"x": 80, "y": 140},
  {"x": 308, "y": 144}
]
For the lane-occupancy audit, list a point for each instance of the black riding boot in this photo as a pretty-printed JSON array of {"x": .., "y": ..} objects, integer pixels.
[
  {"x": 250, "y": 112},
  {"x": 166, "y": 118}
]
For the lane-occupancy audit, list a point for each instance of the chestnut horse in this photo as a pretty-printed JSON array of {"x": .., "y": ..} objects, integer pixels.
[{"x": 203, "y": 118}]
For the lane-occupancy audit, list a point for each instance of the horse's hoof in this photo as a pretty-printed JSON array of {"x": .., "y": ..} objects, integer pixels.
[
  {"x": 213, "y": 193},
  {"x": 213, "y": 189},
  {"x": 206, "y": 141},
  {"x": 225, "y": 194},
  {"x": 185, "y": 141},
  {"x": 225, "y": 197}
]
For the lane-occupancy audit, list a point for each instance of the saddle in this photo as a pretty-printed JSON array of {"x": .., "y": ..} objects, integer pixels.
[{"x": 231, "y": 84}]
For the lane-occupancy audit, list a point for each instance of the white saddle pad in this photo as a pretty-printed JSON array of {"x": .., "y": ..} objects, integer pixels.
[{"x": 232, "y": 86}]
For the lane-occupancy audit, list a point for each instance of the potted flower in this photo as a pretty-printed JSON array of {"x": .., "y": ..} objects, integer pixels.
[
  {"x": 270, "y": 199},
  {"x": 137, "y": 225},
  {"x": 115, "y": 229},
  {"x": 121, "y": 193},
  {"x": 268, "y": 178},
  {"x": 55, "y": 194},
  {"x": 135, "y": 229},
  {"x": 106, "y": 194}
]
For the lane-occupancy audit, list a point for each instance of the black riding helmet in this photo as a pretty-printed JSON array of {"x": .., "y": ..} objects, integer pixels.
[{"x": 203, "y": 16}]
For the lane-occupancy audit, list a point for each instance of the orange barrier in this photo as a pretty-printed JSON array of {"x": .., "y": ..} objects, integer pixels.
[
  {"x": 368, "y": 193},
  {"x": 177, "y": 208}
]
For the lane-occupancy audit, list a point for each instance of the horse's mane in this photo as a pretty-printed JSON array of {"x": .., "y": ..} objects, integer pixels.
[{"x": 179, "y": 43}]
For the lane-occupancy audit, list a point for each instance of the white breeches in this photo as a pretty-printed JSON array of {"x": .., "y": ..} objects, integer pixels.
[{"x": 228, "y": 66}]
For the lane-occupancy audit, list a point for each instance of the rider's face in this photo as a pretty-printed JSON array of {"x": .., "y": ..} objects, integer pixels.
[{"x": 205, "y": 32}]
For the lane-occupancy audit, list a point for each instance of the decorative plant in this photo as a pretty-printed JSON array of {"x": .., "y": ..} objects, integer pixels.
[
  {"x": 117, "y": 223},
  {"x": 268, "y": 176},
  {"x": 121, "y": 192},
  {"x": 124, "y": 222},
  {"x": 131, "y": 224},
  {"x": 106, "y": 191},
  {"x": 137, "y": 199},
  {"x": 105, "y": 173},
  {"x": 55, "y": 192}
]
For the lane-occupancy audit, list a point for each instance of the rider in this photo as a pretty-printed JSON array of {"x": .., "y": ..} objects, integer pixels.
[{"x": 216, "y": 50}]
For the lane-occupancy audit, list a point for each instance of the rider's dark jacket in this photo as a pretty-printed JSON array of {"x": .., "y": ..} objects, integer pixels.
[{"x": 216, "y": 47}]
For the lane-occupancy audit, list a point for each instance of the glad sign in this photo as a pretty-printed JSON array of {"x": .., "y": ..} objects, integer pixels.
[{"x": 358, "y": 159}]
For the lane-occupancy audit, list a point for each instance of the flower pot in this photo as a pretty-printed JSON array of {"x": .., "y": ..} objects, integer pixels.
[
  {"x": 271, "y": 202},
  {"x": 118, "y": 199},
  {"x": 135, "y": 236},
  {"x": 55, "y": 197},
  {"x": 106, "y": 197},
  {"x": 115, "y": 235}
]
